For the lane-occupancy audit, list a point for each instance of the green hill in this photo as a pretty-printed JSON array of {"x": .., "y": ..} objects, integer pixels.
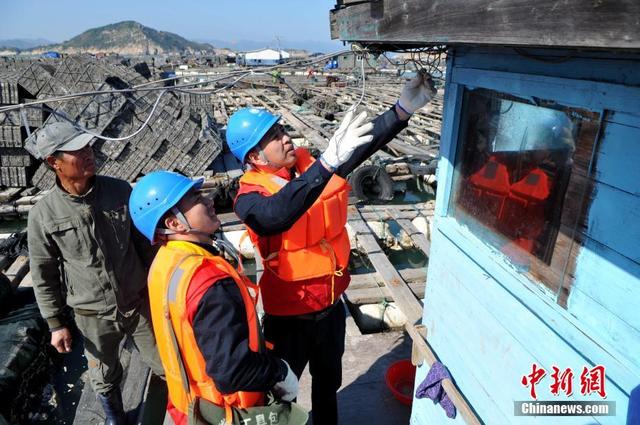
[{"x": 128, "y": 37}]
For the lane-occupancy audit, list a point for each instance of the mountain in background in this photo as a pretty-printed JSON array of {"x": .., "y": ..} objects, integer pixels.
[
  {"x": 246, "y": 45},
  {"x": 133, "y": 38},
  {"x": 125, "y": 38},
  {"x": 24, "y": 43}
]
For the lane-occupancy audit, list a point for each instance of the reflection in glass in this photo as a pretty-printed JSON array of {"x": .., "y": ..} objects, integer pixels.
[{"x": 512, "y": 175}]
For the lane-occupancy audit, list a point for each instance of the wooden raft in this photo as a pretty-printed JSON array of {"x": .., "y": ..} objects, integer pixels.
[{"x": 406, "y": 301}]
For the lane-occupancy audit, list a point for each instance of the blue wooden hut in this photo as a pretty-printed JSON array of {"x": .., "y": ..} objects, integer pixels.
[{"x": 535, "y": 252}]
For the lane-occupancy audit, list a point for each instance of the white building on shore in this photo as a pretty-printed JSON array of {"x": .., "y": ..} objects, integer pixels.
[{"x": 262, "y": 57}]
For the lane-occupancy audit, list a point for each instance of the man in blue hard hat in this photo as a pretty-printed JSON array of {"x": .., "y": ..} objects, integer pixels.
[
  {"x": 295, "y": 210},
  {"x": 203, "y": 312}
]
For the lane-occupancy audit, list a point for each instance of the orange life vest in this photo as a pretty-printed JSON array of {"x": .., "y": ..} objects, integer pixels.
[
  {"x": 317, "y": 244},
  {"x": 518, "y": 209},
  {"x": 185, "y": 369},
  {"x": 490, "y": 186}
]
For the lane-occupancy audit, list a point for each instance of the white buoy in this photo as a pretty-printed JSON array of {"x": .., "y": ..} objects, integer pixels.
[
  {"x": 246, "y": 248},
  {"x": 373, "y": 317}
]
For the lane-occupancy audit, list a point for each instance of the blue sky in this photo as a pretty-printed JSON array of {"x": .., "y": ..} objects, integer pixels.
[{"x": 256, "y": 20}]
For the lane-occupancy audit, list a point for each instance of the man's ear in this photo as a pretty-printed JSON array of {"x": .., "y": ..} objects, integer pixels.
[
  {"x": 253, "y": 158},
  {"x": 51, "y": 162},
  {"x": 171, "y": 222}
]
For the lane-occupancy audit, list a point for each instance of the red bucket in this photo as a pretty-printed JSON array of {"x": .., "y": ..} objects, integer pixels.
[{"x": 400, "y": 377}]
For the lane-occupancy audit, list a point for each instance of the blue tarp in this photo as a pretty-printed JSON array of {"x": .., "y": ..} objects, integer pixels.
[{"x": 331, "y": 64}]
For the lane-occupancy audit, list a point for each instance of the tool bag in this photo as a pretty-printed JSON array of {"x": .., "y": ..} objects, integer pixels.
[{"x": 275, "y": 412}]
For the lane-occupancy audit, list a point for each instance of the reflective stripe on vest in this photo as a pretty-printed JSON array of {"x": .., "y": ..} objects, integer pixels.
[
  {"x": 317, "y": 244},
  {"x": 185, "y": 368}
]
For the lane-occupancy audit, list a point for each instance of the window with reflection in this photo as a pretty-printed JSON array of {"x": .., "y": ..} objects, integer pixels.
[{"x": 521, "y": 178}]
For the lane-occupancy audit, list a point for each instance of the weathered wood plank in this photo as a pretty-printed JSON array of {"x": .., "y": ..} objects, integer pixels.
[
  {"x": 311, "y": 134},
  {"x": 618, "y": 158},
  {"x": 404, "y": 298},
  {"x": 607, "y": 25},
  {"x": 494, "y": 358},
  {"x": 376, "y": 294},
  {"x": 408, "y": 304},
  {"x": 9, "y": 193},
  {"x": 17, "y": 270},
  {"x": 613, "y": 220},
  {"x": 513, "y": 297},
  {"x": 371, "y": 280},
  {"x": 361, "y": 296},
  {"x": 603, "y": 283}
]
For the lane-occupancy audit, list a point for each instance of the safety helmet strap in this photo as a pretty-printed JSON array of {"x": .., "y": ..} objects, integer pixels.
[{"x": 183, "y": 220}]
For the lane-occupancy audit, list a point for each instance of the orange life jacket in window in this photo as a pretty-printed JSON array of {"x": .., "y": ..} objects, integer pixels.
[
  {"x": 526, "y": 205},
  {"x": 185, "y": 369},
  {"x": 517, "y": 210},
  {"x": 534, "y": 187},
  {"x": 317, "y": 245},
  {"x": 490, "y": 187}
]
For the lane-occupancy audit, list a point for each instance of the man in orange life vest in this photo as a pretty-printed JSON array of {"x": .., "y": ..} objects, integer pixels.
[
  {"x": 295, "y": 209},
  {"x": 203, "y": 314}
]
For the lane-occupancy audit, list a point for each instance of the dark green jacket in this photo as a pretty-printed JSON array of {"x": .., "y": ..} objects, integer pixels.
[{"x": 85, "y": 252}]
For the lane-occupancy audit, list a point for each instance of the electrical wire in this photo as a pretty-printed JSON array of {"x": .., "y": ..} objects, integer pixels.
[
  {"x": 113, "y": 139},
  {"x": 183, "y": 89},
  {"x": 144, "y": 86},
  {"x": 362, "y": 74}
]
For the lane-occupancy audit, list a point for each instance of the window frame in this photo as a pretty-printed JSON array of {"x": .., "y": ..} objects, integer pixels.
[{"x": 594, "y": 96}]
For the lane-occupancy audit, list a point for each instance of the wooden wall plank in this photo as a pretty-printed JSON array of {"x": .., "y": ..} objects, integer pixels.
[
  {"x": 609, "y": 280},
  {"x": 573, "y": 64},
  {"x": 531, "y": 295},
  {"x": 515, "y": 22},
  {"x": 614, "y": 220},
  {"x": 593, "y": 95},
  {"x": 448, "y": 150},
  {"x": 606, "y": 327},
  {"x": 491, "y": 333},
  {"x": 618, "y": 161}
]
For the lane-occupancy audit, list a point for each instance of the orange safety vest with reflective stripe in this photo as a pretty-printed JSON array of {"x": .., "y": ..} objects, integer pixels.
[
  {"x": 185, "y": 369},
  {"x": 317, "y": 245}
]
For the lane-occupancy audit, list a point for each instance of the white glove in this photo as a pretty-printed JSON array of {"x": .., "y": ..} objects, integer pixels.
[
  {"x": 417, "y": 92},
  {"x": 349, "y": 136},
  {"x": 287, "y": 389}
]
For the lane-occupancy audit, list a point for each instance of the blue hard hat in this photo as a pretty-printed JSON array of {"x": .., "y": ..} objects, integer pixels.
[
  {"x": 154, "y": 195},
  {"x": 246, "y": 128}
]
